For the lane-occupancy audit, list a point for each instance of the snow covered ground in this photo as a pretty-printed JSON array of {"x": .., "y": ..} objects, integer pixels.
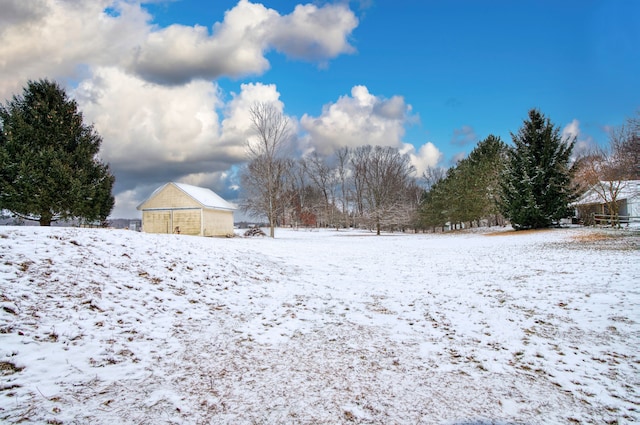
[{"x": 319, "y": 327}]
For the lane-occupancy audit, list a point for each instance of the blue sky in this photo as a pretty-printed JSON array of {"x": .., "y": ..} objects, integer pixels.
[
  {"x": 167, "y": 84},
  {"x": 468, "y": 68}
]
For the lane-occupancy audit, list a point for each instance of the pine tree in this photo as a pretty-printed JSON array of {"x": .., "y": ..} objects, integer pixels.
[
  {"x": 49, "y": 165},
  {"x": 469, "y": 190},
  {"x": 479, "y": 175},
  {"x": 433, "y": 205},
  {"x": 536, "y": 186}
]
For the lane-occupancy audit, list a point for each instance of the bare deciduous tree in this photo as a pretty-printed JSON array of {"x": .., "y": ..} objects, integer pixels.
[
  {"x": 342, "y": 170},
  {"x": 625, "y": 149},
  {"x": 385, "y": 176},
  {"x": 433, "y": 175},
  {"x": 324, "y": 178},
  {"x": 265, "y": 175}
]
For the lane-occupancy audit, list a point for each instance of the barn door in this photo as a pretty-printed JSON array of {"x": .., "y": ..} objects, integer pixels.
[
  {"x": 188, "y": 221},
  {"x": 157, "y": 222}
]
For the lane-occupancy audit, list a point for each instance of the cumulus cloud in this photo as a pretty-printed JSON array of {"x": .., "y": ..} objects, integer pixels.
[
  {"x": 237, "y": 128},
  {"x": 64, "y": 38},
  {"x": 356, "y": 120},
  {"x": 150, "y": 129},
  {"x": 427, "y": 156},
  {"x": 178, "y": 53},
  {"x": 60, "y": 39},
  {"x": 314, "y": 33},
  {"x": 457, "y": 158},
  {"x": 366, "y": 119},
  {"x": 237, "y": 120},
  {"x": 237, "y": 46},
  {"x": 128, "y": 200},
  {"x": 571, "y": 130},
  {"x": 17, "y": 12}
]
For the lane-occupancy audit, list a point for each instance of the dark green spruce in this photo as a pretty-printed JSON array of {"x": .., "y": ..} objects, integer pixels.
[
  {"x": 49, "y": 165},
  {"x": 536, "y": 184}
]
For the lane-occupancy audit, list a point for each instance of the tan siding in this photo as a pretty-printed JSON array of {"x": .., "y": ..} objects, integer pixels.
[
  {"x": 156, "y": 221},
  {"x": 218, "y": 223},
  {"x": 170, "y": 197},
  {"x": 188, "y": 221},
  {"x": 171, "y": 208}
]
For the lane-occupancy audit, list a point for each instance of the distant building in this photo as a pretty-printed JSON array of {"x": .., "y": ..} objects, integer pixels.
[
  {"x": 625, "y": 193},
  {"x": 188, "y": 210}
]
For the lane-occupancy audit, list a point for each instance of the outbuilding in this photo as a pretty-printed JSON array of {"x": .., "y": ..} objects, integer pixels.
[
  {"x": 185, "y": 209},
  {"x": 597, "y": 199}
]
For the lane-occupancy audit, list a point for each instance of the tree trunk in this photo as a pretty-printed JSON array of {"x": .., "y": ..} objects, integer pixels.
[
  {"x": 45, "y": 219},
  {"x": 272, "y": 227}
]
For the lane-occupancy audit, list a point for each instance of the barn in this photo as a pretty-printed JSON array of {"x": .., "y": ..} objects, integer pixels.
[{"x": 185, "y": 209}]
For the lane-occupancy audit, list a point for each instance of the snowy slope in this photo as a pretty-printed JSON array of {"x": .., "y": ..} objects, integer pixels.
[{"x": 322, "y": 327}]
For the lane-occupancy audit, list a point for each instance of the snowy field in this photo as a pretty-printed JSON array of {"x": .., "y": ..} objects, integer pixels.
[{"x": 319, "y": 327}]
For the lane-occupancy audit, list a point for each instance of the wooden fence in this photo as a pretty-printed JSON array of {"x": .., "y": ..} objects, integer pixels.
[{"x": 614, "y": 220}]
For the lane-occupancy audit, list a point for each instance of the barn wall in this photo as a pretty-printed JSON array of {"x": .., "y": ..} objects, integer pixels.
[
  {"x": 188, "y": 221},
  {"x": 217, "y": 223},
  {"x": 156, "y": 221}
]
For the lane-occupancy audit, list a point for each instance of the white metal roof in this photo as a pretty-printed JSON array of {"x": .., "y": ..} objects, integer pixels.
[
  {"x": 207, "y": 197},
  {"x": 629, "y": 189}
]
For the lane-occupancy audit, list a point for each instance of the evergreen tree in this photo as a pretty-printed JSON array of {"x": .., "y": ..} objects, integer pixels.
[
  {"x": 49, "y": 165},
  {"x": 469, "y": 191},
  {"x": 485, "y": 165},
  {"x": 536, "y": 185},
  {"x": 433, "y": 205}
]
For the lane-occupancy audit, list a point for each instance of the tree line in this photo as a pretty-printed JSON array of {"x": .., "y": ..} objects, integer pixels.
[
  {"x": 529, "y": 184},
  {"x": 367, "y": 186},
  {"x": 469, "y": 192},
  {"x": 375, "y": 187}
]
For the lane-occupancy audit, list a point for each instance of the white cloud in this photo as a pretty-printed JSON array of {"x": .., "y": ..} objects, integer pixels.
[
  {"x": 571, "y": 130},
  {"x": 236, "y": 125},
  {"x": 60, "y": 39},
  {"x": 427, "y": 156},
  {"x": 237, "y": 46},
  {"x": 20, "y": 11},
  {"x": 153, "y": 133},
  {"x": 458, "y": 157},
  {"x": 150, "y": 129},
  {"x": 314, "y": 33},
  {"x": 179, "y": 53},
  {"x": 128, "y": 200},
  {"x": 584, "y": 142},
  {"x": 357, "y": 120},
  {"x": 115, "y": 61}
]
